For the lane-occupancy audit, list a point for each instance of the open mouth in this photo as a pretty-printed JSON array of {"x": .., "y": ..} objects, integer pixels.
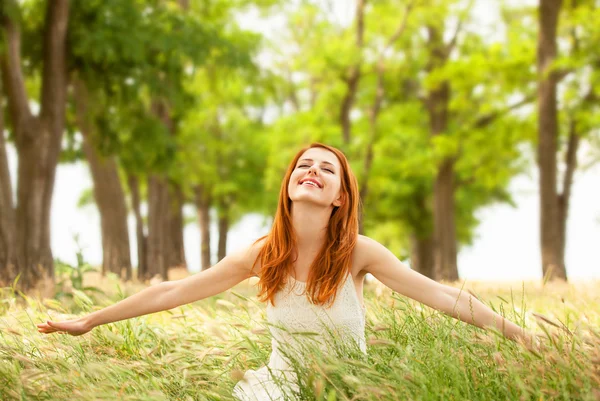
[{"x": 311, "y": 182}]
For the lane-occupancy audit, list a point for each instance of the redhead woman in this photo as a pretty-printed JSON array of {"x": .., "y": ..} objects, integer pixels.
[{"x": 311, "y": 268}]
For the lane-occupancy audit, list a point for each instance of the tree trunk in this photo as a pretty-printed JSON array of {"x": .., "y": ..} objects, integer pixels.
[
  {"x": 553, "y": 265},
  {"x": 438, "y": 98},
  {"x": 203, "y": 202},
  {"x": 38, "y": 141},
  {"x": 421, "y": 255},
  {"x": 564, "y": 197},
  {"x": 373, "y": 134},
  {"x": 176, "y": 252},
  {"x": 8, "y": 262},
  {"x": 373, "y": 115},
  {"x": 108, "y": 193},
  {"x": 168, "y": 240},
  {"x": 422, "y": 258},
  {"x": 445, "y": 256},
  {"x": 223, "y": 229},
  {"x": 158, "y": 233},
  {"x": 142, "y": 239}
]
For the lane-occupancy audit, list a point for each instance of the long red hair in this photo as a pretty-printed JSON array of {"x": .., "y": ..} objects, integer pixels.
[{"x": 334, "y": 260}]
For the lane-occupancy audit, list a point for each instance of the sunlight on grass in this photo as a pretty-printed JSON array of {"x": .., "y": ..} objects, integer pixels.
[{"x": 199, "y": 351}]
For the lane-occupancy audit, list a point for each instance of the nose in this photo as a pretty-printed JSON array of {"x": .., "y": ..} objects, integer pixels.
[{"x": 313, "y": 168}]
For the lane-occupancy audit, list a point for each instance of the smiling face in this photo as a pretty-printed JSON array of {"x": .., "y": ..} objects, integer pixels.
[{"x": 316, "y": 178}]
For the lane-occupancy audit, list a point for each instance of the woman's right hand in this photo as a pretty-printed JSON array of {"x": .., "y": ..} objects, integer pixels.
[
  {"x": 74, "y": 327},
  {"x": 230, "y": 271}
]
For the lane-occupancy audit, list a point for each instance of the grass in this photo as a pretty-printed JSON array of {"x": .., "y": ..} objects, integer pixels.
[{"x": 199, "y": 351}]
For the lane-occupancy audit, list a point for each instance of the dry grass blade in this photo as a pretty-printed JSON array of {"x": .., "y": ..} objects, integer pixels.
[
  {"x": 546, "y": 320},
  {"x": 381, "y": 327},
  {"x": 380, "y": 341},
  {"x": 473, "y": 294}
]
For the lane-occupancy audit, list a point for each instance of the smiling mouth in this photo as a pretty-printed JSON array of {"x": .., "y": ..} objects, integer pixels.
[{"x": 309, "y": 183}]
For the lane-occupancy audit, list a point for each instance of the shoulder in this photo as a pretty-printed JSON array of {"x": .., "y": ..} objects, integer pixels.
[
  {"x": 365, "y": 252},
  {"x": 366, "y": 246},
  {"x": 247, "y": 257}
]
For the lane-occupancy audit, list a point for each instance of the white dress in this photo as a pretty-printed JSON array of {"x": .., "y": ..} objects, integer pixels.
[{"x": 293, "y": 313}]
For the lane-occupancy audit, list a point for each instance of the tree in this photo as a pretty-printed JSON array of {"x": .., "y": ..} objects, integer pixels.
[
  {"x": 203, "y": 202},
  {"x": 104, "y": 59},
  {"x": 140, "y": 82},
  {"x": 563, "y": 122},
  {"x": 222, "y": 142},
  {"x": 552, "y": 262},
  {"x": 8, "y": 262},
  {"x": 419, "y": 113},
  {"x": 108, "y": 192},
  {"x": 37, "y": 139},
  {"x": 462, "y": 104}
]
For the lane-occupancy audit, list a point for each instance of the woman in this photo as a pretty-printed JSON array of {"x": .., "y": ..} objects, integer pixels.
[{"x": 311, "y": 268}]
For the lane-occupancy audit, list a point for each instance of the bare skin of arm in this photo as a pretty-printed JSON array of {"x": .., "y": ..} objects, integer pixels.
[
  {"x": 229, "y": 272},
  {"x": 387, "y": 268}
]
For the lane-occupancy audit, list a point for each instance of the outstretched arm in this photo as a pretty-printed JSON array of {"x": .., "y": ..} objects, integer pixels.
[
  {"x": 229, "y": 272},
  {"x": 385, "y": 266}
]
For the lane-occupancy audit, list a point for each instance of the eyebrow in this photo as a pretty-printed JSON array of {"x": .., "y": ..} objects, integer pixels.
[{"x": 311, "y": 160}]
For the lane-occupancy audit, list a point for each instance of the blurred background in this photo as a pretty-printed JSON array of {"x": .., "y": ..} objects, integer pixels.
[{"x": 150, "y": 135}]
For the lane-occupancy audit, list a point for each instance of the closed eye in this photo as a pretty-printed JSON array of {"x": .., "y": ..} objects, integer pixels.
[{"x": 306, "y": 165}]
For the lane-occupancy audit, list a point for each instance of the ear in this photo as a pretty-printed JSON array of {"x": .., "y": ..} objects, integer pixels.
[{"x": 339, "y": 201}]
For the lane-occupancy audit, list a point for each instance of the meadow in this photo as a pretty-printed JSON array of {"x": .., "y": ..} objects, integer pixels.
[{"x": 199, "y": 351}]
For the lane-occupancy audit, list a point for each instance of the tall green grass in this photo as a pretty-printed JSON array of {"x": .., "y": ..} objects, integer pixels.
[{"x": 199, "y": 351}]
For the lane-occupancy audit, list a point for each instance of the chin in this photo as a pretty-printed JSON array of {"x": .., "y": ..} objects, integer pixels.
[{"x": 309, "y": 201}]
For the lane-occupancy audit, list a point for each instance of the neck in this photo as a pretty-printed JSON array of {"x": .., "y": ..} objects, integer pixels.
[{"x": 310, "y": 225}]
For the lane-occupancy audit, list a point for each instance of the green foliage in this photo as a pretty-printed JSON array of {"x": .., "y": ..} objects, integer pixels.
[
  {"x": 69, "y": 280},
  {"x": 487, "y": 78},
  {"x": 232, "y": 121},
  {"x": 222, "y": 140},
  {"x": 86, "y": 198},
  {"x": 30, "y": 17},
  {"x": 134, "y": 54}
]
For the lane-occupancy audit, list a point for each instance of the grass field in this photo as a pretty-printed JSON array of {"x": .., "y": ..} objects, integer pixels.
[{"x": 199, "y": 351}]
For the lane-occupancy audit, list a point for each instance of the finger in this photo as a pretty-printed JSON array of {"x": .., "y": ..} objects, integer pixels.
[
  {"x": 47, "y": 329},
  {"x": 56, "y": 326}
]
